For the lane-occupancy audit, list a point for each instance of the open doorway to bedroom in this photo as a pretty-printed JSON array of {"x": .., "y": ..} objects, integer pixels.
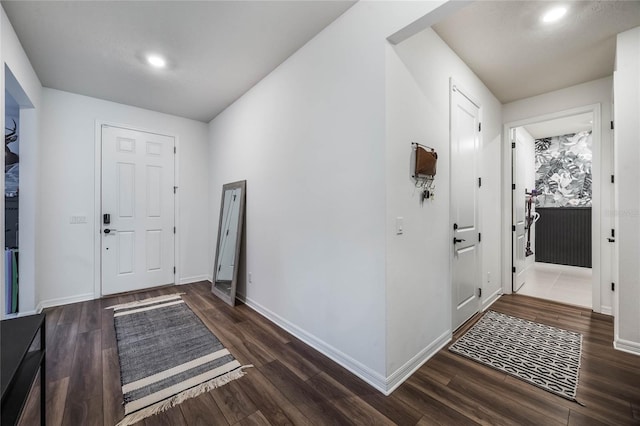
[{"x": 552, "y": 208}]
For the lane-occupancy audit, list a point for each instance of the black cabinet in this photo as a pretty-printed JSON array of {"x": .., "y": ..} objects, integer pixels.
[{"x": 21, "y": 357}]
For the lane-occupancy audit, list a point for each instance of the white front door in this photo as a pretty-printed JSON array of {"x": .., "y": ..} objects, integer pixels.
[
  {"x": 465, "y": 145},
  {"x": 138, "y": 197},
  {"x": 518, "y": 199}
]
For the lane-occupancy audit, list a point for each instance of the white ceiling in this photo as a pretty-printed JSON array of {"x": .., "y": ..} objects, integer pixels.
[
  {"x": 561, "y": 126},
  {"x": 217, "y": 49},
  {"x": 517, "y": 56}
]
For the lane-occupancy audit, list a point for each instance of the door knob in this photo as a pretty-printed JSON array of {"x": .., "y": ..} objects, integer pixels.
[
  {"x": 108, "y": 231},
  {"x": 458, "y": 240}
]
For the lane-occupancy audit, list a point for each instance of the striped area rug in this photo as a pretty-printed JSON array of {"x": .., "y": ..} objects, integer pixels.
[
  {"x": 545, "y": 356},
  {"x": 167, "y": 355}
]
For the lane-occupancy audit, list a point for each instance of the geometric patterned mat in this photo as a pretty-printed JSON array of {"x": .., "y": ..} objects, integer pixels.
[{"x": 545, "y": 356}]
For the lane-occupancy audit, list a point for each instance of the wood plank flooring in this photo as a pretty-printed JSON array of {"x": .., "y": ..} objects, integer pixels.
[{"x": 294, "y": 384}]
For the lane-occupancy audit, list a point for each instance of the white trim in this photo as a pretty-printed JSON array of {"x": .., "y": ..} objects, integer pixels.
[
  {"x": 194, "y": 279},
  {"x": 606, "y": 310},
  {"x": 64, "y": 301},
  {"x": 403, "y": 373},
  {"x": 627, "y": 346},
  {"x": 176, "y": 209},
  {"x": 375, "y": 379},
  {"x": 486, "y": 304},
  {"x": 595, "y": 109},
  {"x": 97, "y": 147}
]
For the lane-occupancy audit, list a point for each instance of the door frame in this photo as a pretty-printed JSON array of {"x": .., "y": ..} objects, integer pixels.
[
  {"x": 507, "y": 197},
  {"x": 97, "y": 247},
  {"x": 453, "y": 83}
]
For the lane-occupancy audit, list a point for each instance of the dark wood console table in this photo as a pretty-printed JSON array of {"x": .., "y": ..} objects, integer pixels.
[{"x": 19, "y": 363}]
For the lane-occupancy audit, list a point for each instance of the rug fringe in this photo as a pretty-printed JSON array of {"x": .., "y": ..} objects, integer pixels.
[
  {"x": 139, "y": 302},
  {"x": 162, "y": 406}
]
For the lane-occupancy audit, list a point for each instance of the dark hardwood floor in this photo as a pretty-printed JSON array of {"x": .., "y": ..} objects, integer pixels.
[{"x": 294, "y": 384}]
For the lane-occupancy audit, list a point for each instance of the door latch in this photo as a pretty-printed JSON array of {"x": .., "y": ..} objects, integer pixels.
[{"x": 458, "y": 240}]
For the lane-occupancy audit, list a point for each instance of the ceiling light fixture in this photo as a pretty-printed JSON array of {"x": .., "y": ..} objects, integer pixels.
[
  {"x": 554, "y": 14},
  {"x": 156, "y": 61}
]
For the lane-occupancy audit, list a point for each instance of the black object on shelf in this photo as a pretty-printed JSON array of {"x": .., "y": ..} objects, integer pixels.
[{"x": 19, "y": 363}]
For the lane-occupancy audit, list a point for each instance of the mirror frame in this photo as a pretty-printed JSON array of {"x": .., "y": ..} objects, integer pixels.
[{"x": 230, "y": 298}]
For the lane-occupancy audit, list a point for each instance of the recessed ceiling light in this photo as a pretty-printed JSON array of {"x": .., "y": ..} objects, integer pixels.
[
  {"x": 156, "y": 61},
  {"x": 554, "y": 14}
]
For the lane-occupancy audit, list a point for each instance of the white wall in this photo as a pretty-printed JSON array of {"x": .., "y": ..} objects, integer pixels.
[
  {"x": 526, "y": 148},
  {"x": 418, "y": 271},
  {"x": 66, "y": 265},
  {"x": 627, "y": 158},
  {"x": 26, "y": 82},
  {"x": 310, "y": 141},
  {"x": 593, "y": 92}
]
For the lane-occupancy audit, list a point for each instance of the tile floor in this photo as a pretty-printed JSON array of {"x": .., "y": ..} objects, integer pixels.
[{"x": 561, "y": 283}]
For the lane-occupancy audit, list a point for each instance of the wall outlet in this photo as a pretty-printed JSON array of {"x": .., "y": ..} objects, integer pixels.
[
  {"x": 250, "y": 278},
  {"x": 399, "y": 225}
]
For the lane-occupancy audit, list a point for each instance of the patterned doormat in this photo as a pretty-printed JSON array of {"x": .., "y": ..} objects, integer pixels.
[
  {"x": 545, "y": 356},
  {"x": 167, "y": 355}
]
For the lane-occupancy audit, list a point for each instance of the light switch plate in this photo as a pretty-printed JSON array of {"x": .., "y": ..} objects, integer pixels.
[{"x": 76, "y": 220}]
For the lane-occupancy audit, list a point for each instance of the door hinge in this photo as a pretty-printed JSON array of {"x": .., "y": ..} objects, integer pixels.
[
  {"x": 175, "y": 188},
  {"x": 611, "y": 124},
  {"x": 227, "y": 233},
  {"x": 612, "y": 179},
  {"x": 479, "y": 182},
  {"x": 613, "y": 286},
  {"x": 174, "y": 229},
  {"x": 479, "y": 292},
  {"x": 479, "y": 127},
  {"x": 513, "y": 144},
  {"x": 513, "y": 269},
  {"x": 175, "y": 150},
  {"x": 174, "y": 269},
  {"x": 513, "y": 228},
  {"x": 613, "y": 233},
  {"x": 479, "y": 236},
  {"x": 513, "y": 186}
]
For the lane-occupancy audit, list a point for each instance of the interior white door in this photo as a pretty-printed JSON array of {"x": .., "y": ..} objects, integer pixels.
[
  {"x": 229, "y": 235},
  {"x": 518, "y": 201},
  {"x": 138, "y": 196},
  {"x": 465, "y": 145}
]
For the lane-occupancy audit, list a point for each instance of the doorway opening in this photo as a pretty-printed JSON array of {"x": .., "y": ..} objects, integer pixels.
[
  {"x": 20, "y": 129},
  {"x": 555, "y": 165}
]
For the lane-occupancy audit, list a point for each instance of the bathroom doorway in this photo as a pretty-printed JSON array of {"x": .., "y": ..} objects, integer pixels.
[{"x": 554, "y": 217}]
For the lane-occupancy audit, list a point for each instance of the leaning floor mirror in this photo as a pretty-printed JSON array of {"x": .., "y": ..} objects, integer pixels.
[{"x": 225, "y": 272}]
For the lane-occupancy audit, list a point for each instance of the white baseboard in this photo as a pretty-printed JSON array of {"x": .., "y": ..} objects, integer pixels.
[
  {"x": 411, "y": 366},
  {"x": 491, "y": 299},
  {"x": 627, "y": 346},
  {"x": 373, "y": 378},
  {"x": 606, "y": 310},
  {"x": 64, "y": 301},
  {"x": 194, "y": 279},
  {"x": 22, "y": 314}
]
